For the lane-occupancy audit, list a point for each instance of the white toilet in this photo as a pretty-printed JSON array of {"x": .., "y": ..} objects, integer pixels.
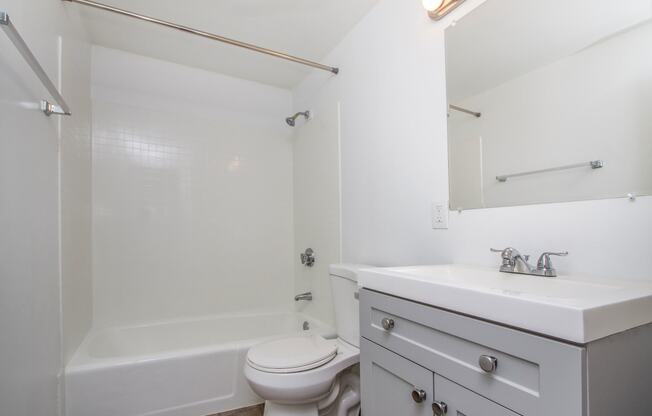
[{"x": 307, "y": 375}]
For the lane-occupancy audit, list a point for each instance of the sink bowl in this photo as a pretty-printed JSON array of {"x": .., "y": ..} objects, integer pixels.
[{"x": 565, "y": 307}]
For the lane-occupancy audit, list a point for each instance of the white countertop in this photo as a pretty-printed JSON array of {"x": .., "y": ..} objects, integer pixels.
[{"x": 565, "y": 307}]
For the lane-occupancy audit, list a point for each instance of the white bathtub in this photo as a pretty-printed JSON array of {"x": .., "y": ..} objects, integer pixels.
[{"x": 181, "y": 368}]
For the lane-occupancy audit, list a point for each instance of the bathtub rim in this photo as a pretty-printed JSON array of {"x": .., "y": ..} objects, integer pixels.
[{"x": 81, "y": 361}]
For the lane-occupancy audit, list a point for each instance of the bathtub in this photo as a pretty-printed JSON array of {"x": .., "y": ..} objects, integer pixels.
[{"x": 180, "y": 368}]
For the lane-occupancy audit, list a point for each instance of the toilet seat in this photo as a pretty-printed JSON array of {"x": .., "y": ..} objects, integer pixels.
[
  {"x": 308, "y": 386},
  {"x": 292, "y": 354}
]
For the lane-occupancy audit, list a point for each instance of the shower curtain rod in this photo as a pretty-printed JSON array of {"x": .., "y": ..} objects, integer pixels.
[{"x": 207, "y": 35}]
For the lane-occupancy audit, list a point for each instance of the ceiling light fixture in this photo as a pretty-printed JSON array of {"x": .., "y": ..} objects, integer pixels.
[{"x": 437, "y": 9}]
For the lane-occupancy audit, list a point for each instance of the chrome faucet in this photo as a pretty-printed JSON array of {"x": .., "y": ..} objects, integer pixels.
[
  {"x": 515, "y": 262},
  {"x": 303, "y": 296}
]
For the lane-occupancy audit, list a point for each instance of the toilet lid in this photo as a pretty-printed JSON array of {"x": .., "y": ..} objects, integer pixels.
[{"x": 292, "y": 354}]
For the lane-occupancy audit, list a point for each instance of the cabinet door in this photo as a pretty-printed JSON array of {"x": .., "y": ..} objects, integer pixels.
[
  {"x": 391, "y": 384},
  {"x": 455, "y": 400}
]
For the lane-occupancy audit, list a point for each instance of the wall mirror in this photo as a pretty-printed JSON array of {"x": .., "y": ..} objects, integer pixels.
[{"x": 549, "y": 101}]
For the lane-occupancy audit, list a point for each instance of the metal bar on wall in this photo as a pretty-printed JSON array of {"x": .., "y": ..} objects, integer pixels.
[
  {"x": 208, "y": 35},
  {"x": 594, "y": 164},
  {"x": 60, "y": 108}
]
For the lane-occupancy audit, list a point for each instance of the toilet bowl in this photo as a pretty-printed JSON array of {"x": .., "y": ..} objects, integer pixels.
[
  {"x": 308, "y": 375},
  {"x": 300, "y": 385}
]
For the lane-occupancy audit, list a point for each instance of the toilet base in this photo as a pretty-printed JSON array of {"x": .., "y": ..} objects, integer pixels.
[{"x": 343, "y": 400}]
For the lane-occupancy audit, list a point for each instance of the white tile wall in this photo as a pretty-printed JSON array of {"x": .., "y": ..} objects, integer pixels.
[{"x": 192, "y": 199}]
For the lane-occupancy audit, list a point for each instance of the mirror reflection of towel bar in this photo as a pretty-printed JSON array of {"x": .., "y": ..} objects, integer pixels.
[
  {"x": 465, "y": 110},
  {"x": 594, "y": 164}
]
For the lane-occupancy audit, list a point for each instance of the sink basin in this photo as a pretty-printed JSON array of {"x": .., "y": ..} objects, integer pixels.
[{"x": 566, "y": 307}]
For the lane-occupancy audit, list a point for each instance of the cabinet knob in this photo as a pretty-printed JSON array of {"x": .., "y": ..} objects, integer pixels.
[
  {"x": 439, "y": 408},
  {"x": 487, "y": 363},
  {"x": 418, "y": 395},
  {"x": 387, "y": 323}
]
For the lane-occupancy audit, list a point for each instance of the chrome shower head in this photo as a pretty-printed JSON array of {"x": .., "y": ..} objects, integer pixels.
[{"x": 292, "y": 121}]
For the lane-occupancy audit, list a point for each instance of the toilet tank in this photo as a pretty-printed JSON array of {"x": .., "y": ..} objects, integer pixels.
[{"x": 344, "y": 285}]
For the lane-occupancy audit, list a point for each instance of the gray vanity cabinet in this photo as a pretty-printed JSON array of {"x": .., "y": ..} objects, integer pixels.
[
  {"x": 400, "y": 387},
  {"x": 530, "y": 372},
  {"x": 463, "y": 402},
  {"x": 481, "y": 368}
]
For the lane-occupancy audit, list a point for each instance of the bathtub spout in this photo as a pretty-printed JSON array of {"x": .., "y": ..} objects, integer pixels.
[{"x": 303, "y": 296}]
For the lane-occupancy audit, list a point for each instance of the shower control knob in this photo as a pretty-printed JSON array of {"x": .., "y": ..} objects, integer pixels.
[
  {"x": 418, "y": 395},
  {"x": 387, "y": 323},
  {"x": 439, "y": 408},
  {"x": 488, "y": 364}
]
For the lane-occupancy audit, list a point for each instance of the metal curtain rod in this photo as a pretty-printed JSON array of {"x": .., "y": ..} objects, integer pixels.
[
  {"x": 594, "y": 164},
  {"x": 464, "y": 110},
  {"x": 61, "y": 108},
  {"x": 207, "y": 35}
]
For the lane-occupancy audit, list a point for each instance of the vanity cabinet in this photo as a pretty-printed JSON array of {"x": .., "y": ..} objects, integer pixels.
[
  {"x": 393, "y": 377},
  {"x": 421, "y": 360},
  {"x": 395, "y": 383}
]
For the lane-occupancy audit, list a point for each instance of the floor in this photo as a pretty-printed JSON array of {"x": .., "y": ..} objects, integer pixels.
[{"x": 247, "y": 411}]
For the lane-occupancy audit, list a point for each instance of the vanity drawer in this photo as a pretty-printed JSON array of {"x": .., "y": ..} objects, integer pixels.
[{"x": 531, "y": 372}]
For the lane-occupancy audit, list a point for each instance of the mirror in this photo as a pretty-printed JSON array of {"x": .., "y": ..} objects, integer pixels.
[{"x": 549, "y": 101}]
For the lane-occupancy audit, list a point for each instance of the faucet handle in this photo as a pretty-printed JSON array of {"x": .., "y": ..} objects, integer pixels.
[
  {"x": 510, "y": 253},
  {"x": 506, "y": 254},
  {"x": 545, "y": 264}
]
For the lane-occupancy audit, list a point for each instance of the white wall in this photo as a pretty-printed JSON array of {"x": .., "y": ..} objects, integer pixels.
[
  {"x": 75, "y": 197},
  {"x": 32, "y": 348},
  {"x": 394, "y": 164},
  {"x": 316, "y": 155},
  {"x": 192, "y": 192}
]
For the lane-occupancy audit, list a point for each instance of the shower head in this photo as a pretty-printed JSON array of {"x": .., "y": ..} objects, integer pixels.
[{"x": 292, "y": 121}]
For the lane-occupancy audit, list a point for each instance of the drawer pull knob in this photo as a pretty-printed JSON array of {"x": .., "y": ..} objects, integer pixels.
[
  {"x": 418, "y": 395},
  {"x": 387, "y": 323},
  {"x": 488, "y": 364},
  {"x": 439, "y": 408}
]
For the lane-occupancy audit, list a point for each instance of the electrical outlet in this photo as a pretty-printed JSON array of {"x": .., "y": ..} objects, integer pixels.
[{"x": 439, "y": 214}]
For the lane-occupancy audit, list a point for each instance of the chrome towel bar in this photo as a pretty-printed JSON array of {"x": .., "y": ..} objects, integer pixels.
[
  {"x": 594, "y": 164},
  {"x": 60, "y": 108}
]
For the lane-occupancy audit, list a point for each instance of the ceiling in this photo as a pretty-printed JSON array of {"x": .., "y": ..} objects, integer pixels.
[
  {"x": 306, "y": 28},
  {"x": 503, "y": 39}
]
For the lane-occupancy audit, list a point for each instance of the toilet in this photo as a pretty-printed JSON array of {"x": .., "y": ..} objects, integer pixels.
[{"x": 307, "y": 375}]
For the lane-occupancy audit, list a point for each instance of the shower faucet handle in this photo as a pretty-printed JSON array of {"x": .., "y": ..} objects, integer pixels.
[{"x": 308, "y": 257}]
